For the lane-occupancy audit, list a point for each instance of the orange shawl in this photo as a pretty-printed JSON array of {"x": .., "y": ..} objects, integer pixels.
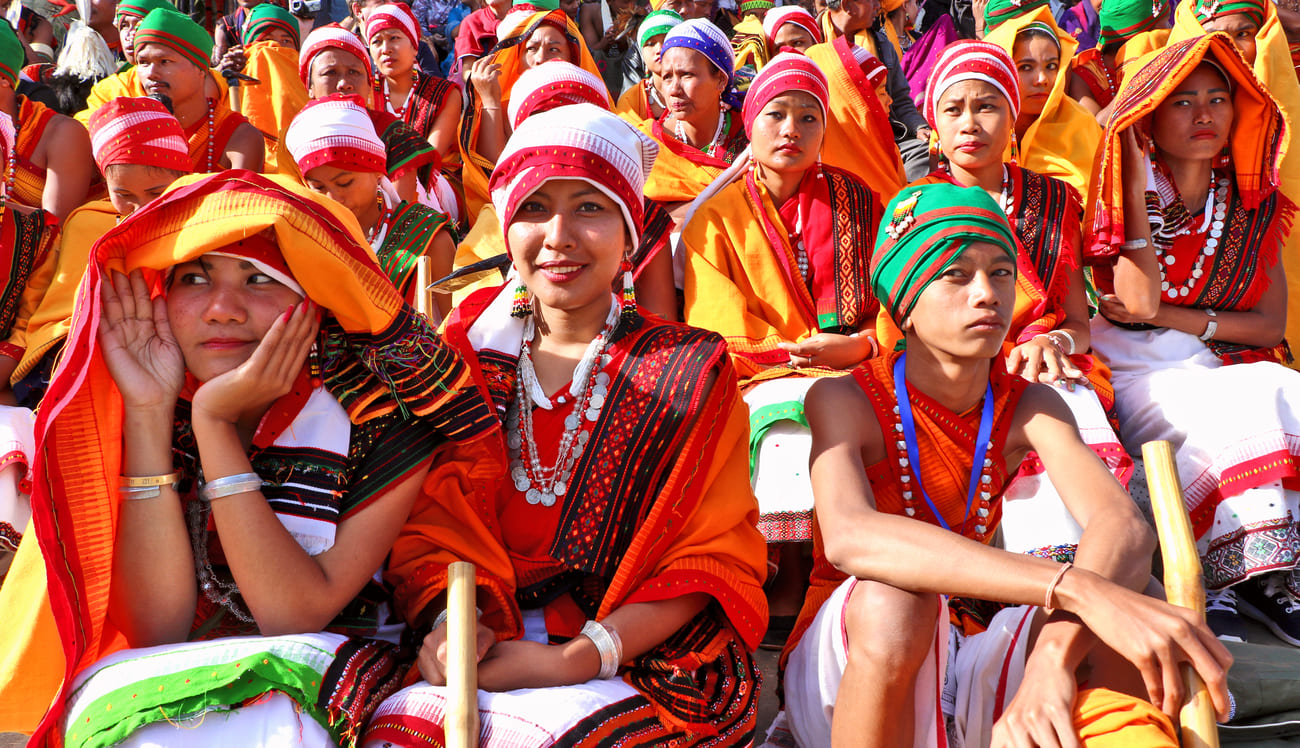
[
  {"x": 859, "y": 138},
  {"x": 1275, "y": 69},
  {"x": 127, "y": 83},
  {"x": 29, "y": 179},
  {"x": 272, "y": 103},
  {"x": 742, "y": 279},
  {"x": 634, "y": 105},
  {"x": 78, "y": 431},
  {"x": 681, "y": 172}
]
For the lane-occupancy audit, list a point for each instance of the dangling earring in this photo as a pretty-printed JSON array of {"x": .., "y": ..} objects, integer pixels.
[
  {"x": 1224, "y": 157},
  {"x": 629, "y": 309},
  {"x": 313, "y": 365},
  {"x": 1015, "y": 149},
  {"x": 522, "y": 306}
]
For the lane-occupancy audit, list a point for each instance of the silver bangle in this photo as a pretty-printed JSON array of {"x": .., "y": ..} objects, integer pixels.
[
  {"x": 608, "y": 645},
  {"x": 229, "y": 486},
  {"x": 137, "y": 493},
  {"x": 1211, "y": 327},
  {"x": 1134, "y": 244},
  {"x": 1068, "y": 337},
  {"x": 442, "y": 617}
]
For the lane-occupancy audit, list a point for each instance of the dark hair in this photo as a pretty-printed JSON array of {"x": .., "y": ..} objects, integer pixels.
[
  {"x": 1029, "y": 33},
  {"x": 70, "y": 92}
]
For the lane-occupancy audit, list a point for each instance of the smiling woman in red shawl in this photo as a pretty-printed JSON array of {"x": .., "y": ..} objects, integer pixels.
[
  {"x": 235, "y": 310},
  {"x": 1188, "y": 224},
  {"x": 972, "y": 101},
  {"x": 774, "y": 263},
  {"x": 611, "y": 523}
]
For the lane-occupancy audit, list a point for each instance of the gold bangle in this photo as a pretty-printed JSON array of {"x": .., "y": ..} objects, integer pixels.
[{"x": 148, "y": 481}]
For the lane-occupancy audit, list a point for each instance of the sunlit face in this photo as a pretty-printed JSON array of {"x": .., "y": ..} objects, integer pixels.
[
  {"x": 392, "y": 52},
  {"x": 219, "y": 309},
  {"x": 787, "y": 133},
  {"x": 1240, "y": 29},
  {"x": 570, "y": 8},
  {"x": 1038, "y": 61},
  {"x": 966, "y": 311},
  {"x": 162, "y": 70},
  {"x": 133, "y": 186},
  {"x": 126, "y": 33},
  {"x": 882, "y": 93},
  {"x": 856, "y": 15},
  {"x": 354, "y": 190},
  {"x": 692, "y": 85},
  {"x": 545, "y": 44},
  {"x": 650, "y": 53},
  {"x": 1195, "y": 120},
  {"x": 793, "y": 35},
  {"x": 568, "y": 240},
  {"x": 336, "y": 71},
  {"x": 974, "y": 123}
]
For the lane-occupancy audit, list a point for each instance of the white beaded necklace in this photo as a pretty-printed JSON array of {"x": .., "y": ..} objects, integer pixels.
[
  {"x": 1216, "y": 201},
  {"x": 541, "y": 485},
  {"x": 1006, "y": 199},
  {"x": 716, "y": 142}
]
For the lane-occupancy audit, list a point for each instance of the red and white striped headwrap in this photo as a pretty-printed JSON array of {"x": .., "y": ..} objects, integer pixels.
[
  {"x": 966, "y": 60},
  {"x": 129, "y": 130},
  {"x": 552, "y": 84},
  {"x": 871, "y": 65},
  {"x": 332, "y": 36},
  {"x": 335, "y": 130},
  {"x": 580, "y": 141},
  {"x": 785, "y": 73},
  {"x": 778, "y": 17},
  {"x": 393, "y": 16}
]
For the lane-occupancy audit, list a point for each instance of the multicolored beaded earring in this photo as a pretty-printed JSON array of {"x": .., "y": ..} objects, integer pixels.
[
  {"x": 629, "y": 309},
  {"x": 522, "y": 306}
]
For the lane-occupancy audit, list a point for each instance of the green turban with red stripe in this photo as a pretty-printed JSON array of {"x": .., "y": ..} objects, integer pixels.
[
  {"x": 1124, "y": 19},
  {"x": 924, "y": 229},
  {"x": 140, "y": 8},
  {"x": 1208, "y": 10},
  {"x": 177, "y": 31},
  {"x": 267, "y": 16},
  {"x": 1000, "y": 11},
  {"x": 12, "y": 55}
]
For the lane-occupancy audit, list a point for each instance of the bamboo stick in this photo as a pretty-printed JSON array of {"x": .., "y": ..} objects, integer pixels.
[
  {"x": 461, "y": 720},
  {"x": 423, "y": 296},
  {"x": 1184, "y": 585}
]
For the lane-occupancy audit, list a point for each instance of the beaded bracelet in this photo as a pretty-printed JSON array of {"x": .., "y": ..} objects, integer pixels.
[
  {"x": 608, "y": 645},
  {"x": 229, "y": 486}
]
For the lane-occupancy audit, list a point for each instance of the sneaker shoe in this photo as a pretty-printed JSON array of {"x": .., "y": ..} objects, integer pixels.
[
  {"x": 1222, "y": 616},
  {"x": 1267, "y": 600}
]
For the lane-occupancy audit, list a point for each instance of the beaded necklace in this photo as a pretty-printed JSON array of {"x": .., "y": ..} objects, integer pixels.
[
  {"x": 981, "y": 471},
  {"x": 713, "y": 145},
  {"x": 400, "y": 112},
  {"x": 542, "y": 485},
  {"x": 212, "y": 136},
  {"x": 1216, "y": 212},
  {"x": 11, "y": 157},
  {"x": 381, "y": 223},
  {"x": 1007, "y": 199}
]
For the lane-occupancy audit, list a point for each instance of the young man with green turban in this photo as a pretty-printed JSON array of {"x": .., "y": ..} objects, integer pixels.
[
  {"x": 128, "y": 15},
  {"x": 49, "y": 165},
  {"x": 172, "y": 53},
  {"x": 910, "y": 457}
]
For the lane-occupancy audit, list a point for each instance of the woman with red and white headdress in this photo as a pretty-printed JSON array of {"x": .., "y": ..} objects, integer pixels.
[
  {"x": 428, "y": 104},
  {"x": 620, "y": 596},
  {"x": 775, "y": 260},
  {"x": 338, "y": 152},
  {"x": 972, "y": 100}
]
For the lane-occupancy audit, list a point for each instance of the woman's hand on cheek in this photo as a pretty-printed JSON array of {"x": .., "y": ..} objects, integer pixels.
[
  {"x": 137, "y": 343},
  {"x": 268, "y": 374}
]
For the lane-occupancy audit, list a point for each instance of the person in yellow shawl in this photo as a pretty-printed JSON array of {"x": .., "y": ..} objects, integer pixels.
[
  {"x": 748, "y": 40},
  {"x": 270, "y": 50},
  {"x": 235, "y": 304},
  {"x": 1055, "y": 136},
  {"x": 911, "y": 458},
  {"x": 775, "y": 263},
  {"x": 700, "y": 133},
  {"x": 620, "y": 594},
  {"x": 172, "y": 54},
  {"x": 525, "y": 39},
  {"x": 1255, "y": 30},
  {"x": 1129, "y": 29},
  {"x": 646, "y": 100}
]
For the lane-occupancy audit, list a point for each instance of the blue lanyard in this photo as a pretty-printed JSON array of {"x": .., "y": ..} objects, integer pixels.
[{"x": 909, "y": 435}]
